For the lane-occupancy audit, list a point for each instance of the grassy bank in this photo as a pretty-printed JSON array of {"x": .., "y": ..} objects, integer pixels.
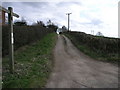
[
  {"x": 33, "y": 65},
  {"x": 100, "y": 48}
]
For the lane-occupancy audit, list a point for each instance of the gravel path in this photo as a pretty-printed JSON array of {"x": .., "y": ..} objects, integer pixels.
[{"x": 73, "y": 69}]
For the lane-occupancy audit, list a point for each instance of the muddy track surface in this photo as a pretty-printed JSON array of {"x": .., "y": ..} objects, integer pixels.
[{"x": 73, "y": 69}]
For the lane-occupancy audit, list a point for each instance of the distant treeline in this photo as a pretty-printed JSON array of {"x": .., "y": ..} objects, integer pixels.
[
  {"x": 107, "y": 47},
  {"x": 23, "y": 35}
]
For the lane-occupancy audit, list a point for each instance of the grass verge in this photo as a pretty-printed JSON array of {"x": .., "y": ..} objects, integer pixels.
[
  {"x": 33, "y": 65},
  {"x": 111, "y": 58}
]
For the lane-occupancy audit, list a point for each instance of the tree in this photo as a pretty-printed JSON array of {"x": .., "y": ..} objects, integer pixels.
[
  {"x": 49, "y": 22},
  {"x": 99, "y": 34},
  {"x": 64, "y": 28},
  {"x": 39, "y": 23},
  {"x": 21, "y": 22},
  {"x": 52, "y": 25}
]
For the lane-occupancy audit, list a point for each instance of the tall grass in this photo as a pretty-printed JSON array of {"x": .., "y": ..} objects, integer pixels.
[{"x": 33, "y": 64}]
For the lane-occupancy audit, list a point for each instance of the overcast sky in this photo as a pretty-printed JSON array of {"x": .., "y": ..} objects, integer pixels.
[{"x": 87, "y": 15}]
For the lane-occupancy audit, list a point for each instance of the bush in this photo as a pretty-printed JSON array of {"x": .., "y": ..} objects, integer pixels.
[
  {"x": 22, "y": 35},
  {"x": 98, "y": 44}
]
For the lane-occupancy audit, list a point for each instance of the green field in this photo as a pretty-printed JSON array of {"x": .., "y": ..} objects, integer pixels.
[{"x": 33, "y": 64}]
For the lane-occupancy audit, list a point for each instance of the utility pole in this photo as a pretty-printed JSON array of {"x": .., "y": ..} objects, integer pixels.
[
  {"x": 68, "y": 20},
  {"x": 92, "y": 32}
]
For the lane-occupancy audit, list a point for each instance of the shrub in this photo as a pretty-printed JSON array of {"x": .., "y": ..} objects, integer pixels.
[
  {"x": 22, "y": 35},
  {"x": 99, "y": 44}
]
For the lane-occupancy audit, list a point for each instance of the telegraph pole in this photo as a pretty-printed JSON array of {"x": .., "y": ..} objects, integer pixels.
[
  {"x": 68, "y": 20},
  {"x": 92, "y": 32}
]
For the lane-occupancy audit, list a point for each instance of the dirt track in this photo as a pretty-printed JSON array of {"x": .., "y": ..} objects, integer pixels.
[{"x": 73, "y": 69}]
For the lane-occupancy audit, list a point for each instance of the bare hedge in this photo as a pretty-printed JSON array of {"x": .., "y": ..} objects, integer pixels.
[
  {"x": 99, "y": 44},
  {"x": 22, "y": 35}
]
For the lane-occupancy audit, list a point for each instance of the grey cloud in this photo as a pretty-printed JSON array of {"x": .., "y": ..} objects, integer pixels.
[
  {"x": 52, "y": 10},
  {"x": 96, "y": 21},
  {"x": 25, "y": 4},
  {"x": 7, "y": 4},
  {"x": 68, "y": 3},
  {"x": 35, "y": 4}
]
